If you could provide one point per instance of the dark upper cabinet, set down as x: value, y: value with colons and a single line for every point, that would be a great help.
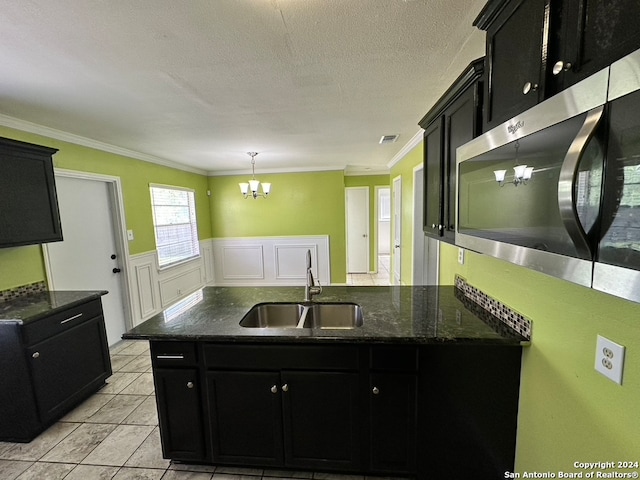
x: 587, y: 36
x: 517, y: 38
x: 454, y: 120
x: 537, y: 48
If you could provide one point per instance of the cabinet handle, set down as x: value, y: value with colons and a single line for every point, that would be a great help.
x: 560, y: 66
x: 529, y: 87
x: 274, y: 389
x: 189, y: 384
x: 170, y: 357
x: 285, y: 387
x: 35, y: 354
x: 375, y: 390
x: 70, y: 318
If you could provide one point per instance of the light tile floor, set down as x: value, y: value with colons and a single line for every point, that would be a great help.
x: 381, y: 278
x: 114, y: 435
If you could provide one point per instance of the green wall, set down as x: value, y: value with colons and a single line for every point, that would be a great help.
x: 371, y: 181
x: 404, y: 169
x: 299, y: 204
x: 568, y: 411
x: 23, y: 265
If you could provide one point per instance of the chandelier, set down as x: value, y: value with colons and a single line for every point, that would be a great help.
x: 251, y: 189
x: 521, y: 173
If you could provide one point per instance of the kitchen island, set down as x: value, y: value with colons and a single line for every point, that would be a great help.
x: 426, y: 387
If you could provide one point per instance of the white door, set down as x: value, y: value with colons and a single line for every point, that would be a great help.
x: 84, y: 260
x: 357, y: 200
x: 397, y: 228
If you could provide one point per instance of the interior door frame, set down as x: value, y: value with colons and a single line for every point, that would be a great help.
x: 114, y: 187
x: 368, y: 225
x: 396, y: 197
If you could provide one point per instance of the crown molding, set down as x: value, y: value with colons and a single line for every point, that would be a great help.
x: 25, y: 126
x: 410, y: 145
x: 247, y: 171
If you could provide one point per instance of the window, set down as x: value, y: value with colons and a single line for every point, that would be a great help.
x: 174, y: 222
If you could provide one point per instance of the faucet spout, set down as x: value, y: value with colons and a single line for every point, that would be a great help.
x: 310, y: 288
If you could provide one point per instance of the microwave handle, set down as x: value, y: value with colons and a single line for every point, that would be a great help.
x: 568, y: 174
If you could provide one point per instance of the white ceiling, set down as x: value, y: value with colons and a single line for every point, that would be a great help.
x: 309, y: 84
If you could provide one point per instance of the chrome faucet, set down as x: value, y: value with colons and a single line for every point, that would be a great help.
x: 310, y: 288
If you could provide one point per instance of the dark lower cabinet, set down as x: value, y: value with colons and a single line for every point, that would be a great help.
x: 321, y: 420
x: 180, y: 413
x: 388, y: 410
x: 245, y: 409
x: 393, y: 414
x: 48, y: 366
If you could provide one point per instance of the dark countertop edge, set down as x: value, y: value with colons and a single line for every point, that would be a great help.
x: 273, y: 339
x: 90, y: 295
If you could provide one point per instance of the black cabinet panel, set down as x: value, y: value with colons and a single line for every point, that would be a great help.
x: 321, y: 420
x: 71, y: 351
x: 48, y: 365
x: 246, y: 417
x: 180, y: 413
x: 454, y: 120
x: 516, y: 60
x: 393, y: 420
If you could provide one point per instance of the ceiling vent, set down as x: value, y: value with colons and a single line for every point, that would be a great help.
x: 388, y: 139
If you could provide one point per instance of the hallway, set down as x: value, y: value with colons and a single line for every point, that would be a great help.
x: 381, y: 278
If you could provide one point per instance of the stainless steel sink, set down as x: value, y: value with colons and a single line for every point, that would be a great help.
x: 333, y: 315
x: 273, y: 315
x: 298, y: 315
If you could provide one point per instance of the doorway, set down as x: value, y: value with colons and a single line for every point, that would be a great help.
x: 357, y: 205
x: 93, y: 254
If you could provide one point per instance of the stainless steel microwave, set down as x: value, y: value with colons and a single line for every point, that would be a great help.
x: 557, y: 188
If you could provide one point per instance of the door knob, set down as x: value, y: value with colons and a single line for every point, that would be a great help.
x: 116, y: 270
x: 113, y: 256
x: 397, y: 246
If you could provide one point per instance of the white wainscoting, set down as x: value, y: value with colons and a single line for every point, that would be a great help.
x: 254, y: 261
x: 155, y: 289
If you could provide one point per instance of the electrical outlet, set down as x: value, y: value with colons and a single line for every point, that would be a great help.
x: 609, y: 359
x: 129, y: 234
x: 461, y: 256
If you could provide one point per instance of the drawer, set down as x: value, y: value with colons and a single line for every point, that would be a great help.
x: 394, y: 358
x: 269, y: 357
x: 58, y: 322
x: 173, y: 354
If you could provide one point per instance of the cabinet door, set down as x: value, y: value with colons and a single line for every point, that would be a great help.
x: 460, y: 126
x: 516, y: 60
x: 393, y: 410
x: 321, y: 420
x: 180, y: 413
x: 69, y: 366
x: 433, y: 178
x: 595, y: 34
x: 246, y: 417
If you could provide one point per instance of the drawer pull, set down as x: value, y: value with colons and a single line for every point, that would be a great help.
x: 375, y: 390
x: 189, y: 384
x: 274, y: 389
x: 285, y: 387
x: 170, y: 357
x: 70, y: 318
x: 35, y: 354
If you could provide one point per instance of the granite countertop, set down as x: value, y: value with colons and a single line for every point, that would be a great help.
x: 35, y: 306
x: 391, y: 315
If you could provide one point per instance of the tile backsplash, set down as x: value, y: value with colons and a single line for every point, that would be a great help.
x: 22, y: 291
x: 499, y: 310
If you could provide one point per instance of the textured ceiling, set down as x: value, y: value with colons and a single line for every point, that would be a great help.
x: 309, y: 84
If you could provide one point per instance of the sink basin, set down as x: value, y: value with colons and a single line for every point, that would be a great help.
x: 333, y: 315
x: 273, y: 315
x: 298, y: 315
